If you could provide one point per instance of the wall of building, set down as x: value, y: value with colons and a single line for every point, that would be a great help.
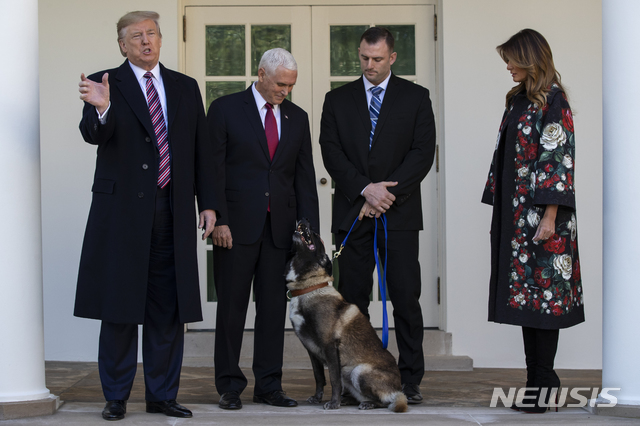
x: 79, y: 36
x: 475, y: 81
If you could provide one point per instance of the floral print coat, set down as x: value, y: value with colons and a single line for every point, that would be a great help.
x: 534, y: 284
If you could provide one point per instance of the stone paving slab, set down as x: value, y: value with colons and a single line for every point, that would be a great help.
x: 88, y: 414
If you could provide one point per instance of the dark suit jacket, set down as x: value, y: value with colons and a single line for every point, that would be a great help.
x: 403, y: 149
x: 112, y: 280
x: 248, y: 178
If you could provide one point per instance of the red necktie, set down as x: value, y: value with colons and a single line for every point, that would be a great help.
x: 271, y: 130
x: 157, y: 118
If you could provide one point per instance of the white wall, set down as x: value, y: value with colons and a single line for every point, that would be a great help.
x: 76, y: 36
x: 475, y: 84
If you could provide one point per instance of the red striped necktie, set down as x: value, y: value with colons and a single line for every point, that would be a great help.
x: 159, y: 127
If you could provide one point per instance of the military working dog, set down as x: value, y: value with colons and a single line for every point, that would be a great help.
x: 336, y: 333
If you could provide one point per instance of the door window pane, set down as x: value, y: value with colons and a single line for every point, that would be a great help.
x: 265, y: 37
x: 344, y: 42
x: 405, y: 45
x: 215, y: 89
x: 225, y: 50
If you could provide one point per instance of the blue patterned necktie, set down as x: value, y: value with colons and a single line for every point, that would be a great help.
x: 374, y: 110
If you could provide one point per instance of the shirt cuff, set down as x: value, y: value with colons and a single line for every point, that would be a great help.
x: 103, y: 117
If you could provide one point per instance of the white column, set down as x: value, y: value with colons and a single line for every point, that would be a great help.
x: 621, y: 251
x: 21, y: 318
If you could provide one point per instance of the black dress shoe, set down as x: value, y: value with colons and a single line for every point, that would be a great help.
x: 412, y: 392
x: 230, y: 401
x: 114, y: 410
x: 169, y: 408
x: 277, y: 398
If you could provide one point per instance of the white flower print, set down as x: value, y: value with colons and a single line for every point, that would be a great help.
x: 567, y: 161
x: 526, y: 130
x: 562, y: 264
x: 520, y: 223
x: 573, y: 226
x: 523, y: 171
x: 560, y: 186
x: 520, y: 298
x: 547, y: 296
x: 515, y: 202
x: 524, y: 257
x: 553, y: 136
x: 514, y: 244
x: 533, y: 218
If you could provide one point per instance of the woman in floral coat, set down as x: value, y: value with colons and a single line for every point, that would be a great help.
x: 535, y: 269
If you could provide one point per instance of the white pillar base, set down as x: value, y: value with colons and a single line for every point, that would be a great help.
x: 40, y: 407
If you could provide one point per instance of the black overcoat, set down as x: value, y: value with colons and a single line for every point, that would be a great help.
x: 534, y: 284
x: 112, y: 278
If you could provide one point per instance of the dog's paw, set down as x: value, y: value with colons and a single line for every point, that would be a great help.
x: 332, y: 405
x: 315, y: 399
x: 348, y: 400
x: 366, y: 405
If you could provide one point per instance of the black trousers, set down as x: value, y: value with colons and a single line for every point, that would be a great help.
x: 540, y: 347
x: 163, y: 334
x: 404, y: 283
x: 234, y: 270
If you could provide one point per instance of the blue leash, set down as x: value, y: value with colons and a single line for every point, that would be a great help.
x: 382, y: 276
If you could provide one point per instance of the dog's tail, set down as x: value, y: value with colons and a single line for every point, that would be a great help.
x: 397, y: 402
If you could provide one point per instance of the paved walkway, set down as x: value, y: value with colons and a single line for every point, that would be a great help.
x: 451, y: 398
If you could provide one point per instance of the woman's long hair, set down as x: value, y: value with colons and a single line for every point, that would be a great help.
x: 529, y: 50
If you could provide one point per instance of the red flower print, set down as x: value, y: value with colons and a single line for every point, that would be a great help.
x: 513, y: 303
x: 576, y: 270
x: 531, y: 151
x: 522, y: 189
x: 536, y: 303
x: 519, y: 268
x: 555, y: 244
x: 548, y: 168
x: 541, y: 282
x: 557, y: 310
x: 567, y: 119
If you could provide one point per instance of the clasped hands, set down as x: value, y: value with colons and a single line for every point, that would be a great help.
x: 378, y: 199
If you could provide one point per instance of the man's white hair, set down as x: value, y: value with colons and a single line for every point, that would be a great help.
x: 273, y: 58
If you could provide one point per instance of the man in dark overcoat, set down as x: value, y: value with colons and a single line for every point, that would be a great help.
x: 378, y: 141
x: 138, y: 262
x: 262, y: 151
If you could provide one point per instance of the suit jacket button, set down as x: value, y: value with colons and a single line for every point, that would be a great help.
x: 147, y: 139
x: 266, y: 194
x: 145, y: 167
x: 95, y: 127
x: 140, y: 194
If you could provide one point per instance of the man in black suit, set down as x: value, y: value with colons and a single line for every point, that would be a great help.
x: 138, y: 263
x: 378, y: 170
x: 262, y: 151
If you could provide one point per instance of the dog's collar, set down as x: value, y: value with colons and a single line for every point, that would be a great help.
x: 295, y: 293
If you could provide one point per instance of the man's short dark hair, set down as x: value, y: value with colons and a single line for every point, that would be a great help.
x: 374, y: 34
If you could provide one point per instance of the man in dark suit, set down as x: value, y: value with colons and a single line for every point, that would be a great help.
x: 138, y: 263
x: 378, y: 142
x: 262, y: 151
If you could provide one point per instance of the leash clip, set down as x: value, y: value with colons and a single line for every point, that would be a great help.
x: 338, y: 253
